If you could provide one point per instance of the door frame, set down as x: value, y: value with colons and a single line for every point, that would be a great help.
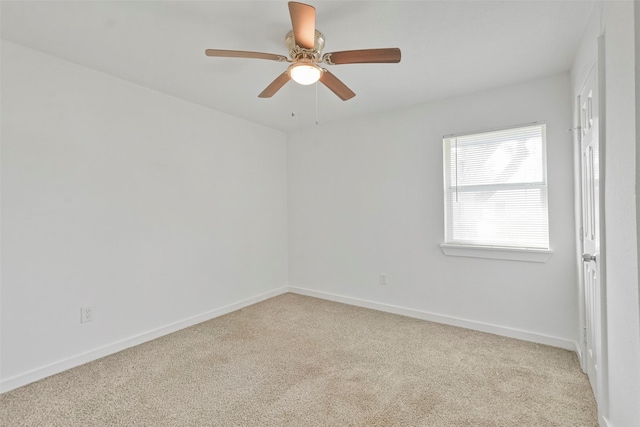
x: 602, y: 392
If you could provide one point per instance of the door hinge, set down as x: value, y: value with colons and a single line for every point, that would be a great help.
x: 582, y: 234
x: 584, y: 335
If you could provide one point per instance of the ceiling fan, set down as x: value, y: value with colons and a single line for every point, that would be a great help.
x: 305, y: 45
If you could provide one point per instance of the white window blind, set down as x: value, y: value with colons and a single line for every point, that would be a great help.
x: 495, y: 188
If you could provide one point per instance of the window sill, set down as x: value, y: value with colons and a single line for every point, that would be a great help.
x: 492, y: 252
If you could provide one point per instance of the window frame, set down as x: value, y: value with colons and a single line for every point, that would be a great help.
x: 473, y: 249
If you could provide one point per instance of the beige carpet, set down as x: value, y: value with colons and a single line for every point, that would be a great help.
x: 300, y: 361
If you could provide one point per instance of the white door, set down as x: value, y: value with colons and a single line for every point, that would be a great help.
x: 591, y: 259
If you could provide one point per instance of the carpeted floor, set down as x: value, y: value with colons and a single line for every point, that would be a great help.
x: 300, y: 361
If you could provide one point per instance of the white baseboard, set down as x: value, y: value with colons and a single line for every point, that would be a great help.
x: 448, y: 320
x: 580, y: 355
x: 80, y: 359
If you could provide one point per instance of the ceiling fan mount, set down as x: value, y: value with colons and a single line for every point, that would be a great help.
x: 296, y: 52
x: 305, y: 45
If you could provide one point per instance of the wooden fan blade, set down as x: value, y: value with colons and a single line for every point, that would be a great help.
x: 244, y: 54
x: 275, y: 85
x: 336, y: 86
x: 363, y: 56
x: 303, y: 20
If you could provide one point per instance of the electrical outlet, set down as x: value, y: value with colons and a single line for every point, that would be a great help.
x: 383, y: 279
x: 86, y: 314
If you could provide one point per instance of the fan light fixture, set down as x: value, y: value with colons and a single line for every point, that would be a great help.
x: 305, y: 73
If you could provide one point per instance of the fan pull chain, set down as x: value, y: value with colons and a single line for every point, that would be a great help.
x: 293, y: 87
x: 317, y: 104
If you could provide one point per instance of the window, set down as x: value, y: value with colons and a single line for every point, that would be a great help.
x: 495, y: 190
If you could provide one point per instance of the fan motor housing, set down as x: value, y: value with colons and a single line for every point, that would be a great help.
x: 296, y: 52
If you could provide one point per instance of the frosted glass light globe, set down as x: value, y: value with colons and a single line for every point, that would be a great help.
x: 305, y: 74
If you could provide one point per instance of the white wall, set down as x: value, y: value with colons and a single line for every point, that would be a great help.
x: 620, y: 204
x: 153, y: 209
x: 636, y: 21
x: 366, y: 197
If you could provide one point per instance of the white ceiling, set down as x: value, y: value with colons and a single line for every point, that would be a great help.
x: 448, y: 48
